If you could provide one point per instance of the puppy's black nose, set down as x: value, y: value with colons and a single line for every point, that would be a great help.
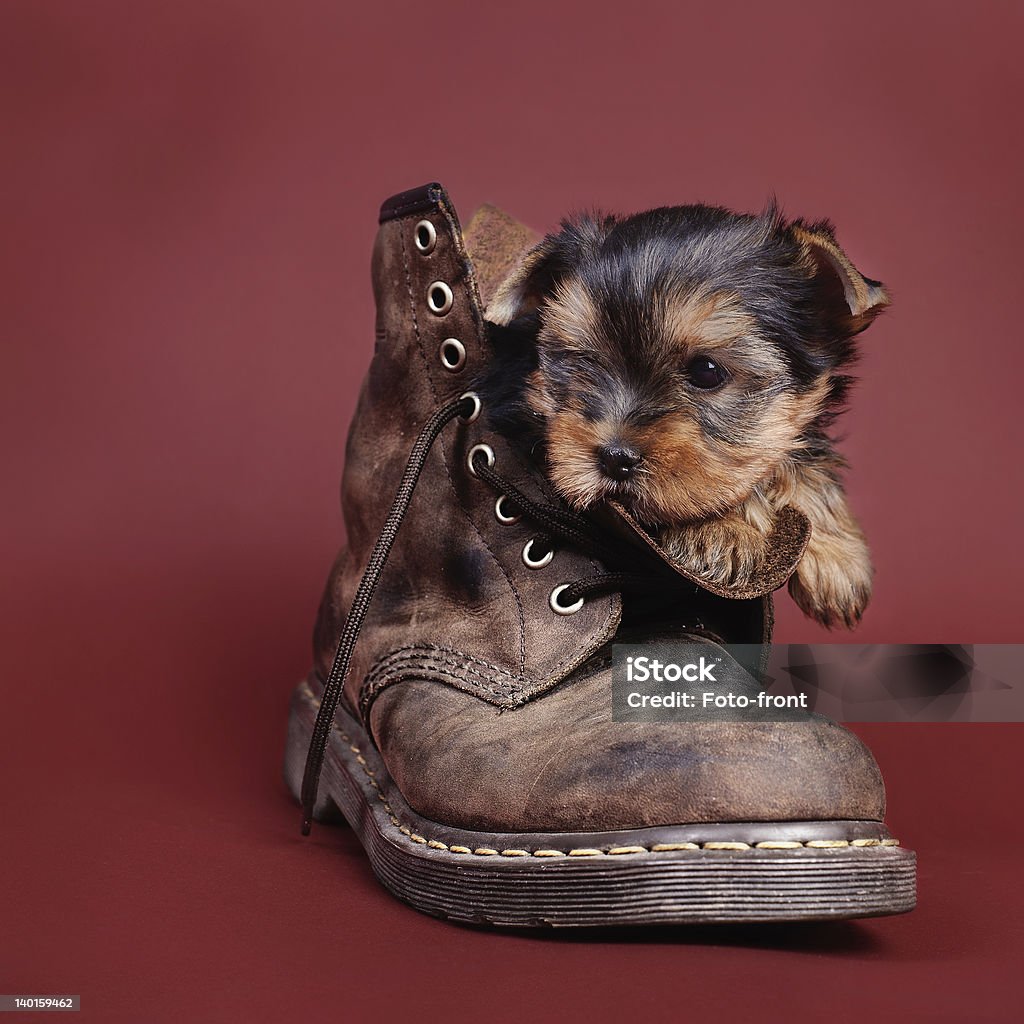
x: 618, y: 461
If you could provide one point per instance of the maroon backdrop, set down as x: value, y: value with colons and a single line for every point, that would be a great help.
x: 190, y: 193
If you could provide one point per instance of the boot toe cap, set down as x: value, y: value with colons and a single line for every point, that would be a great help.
x: 560, y: 763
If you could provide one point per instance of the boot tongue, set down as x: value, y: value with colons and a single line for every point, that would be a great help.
x: 785, y: 545
x: 496, y: 244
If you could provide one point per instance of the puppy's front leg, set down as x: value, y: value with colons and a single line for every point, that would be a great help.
x: 727, y: 550
x: 832, y: 583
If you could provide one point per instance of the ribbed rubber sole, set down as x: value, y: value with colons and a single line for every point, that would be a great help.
x: 686, y: 874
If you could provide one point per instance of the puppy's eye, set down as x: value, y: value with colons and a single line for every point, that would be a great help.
x: 705, y: 373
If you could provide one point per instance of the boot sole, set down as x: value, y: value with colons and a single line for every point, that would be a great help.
x: 685, y: 874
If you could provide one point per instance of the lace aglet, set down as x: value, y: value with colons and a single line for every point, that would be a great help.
x: 307, y: 822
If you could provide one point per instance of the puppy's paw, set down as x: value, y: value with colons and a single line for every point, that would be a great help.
x: 724, y: 552
x: 832, y: 583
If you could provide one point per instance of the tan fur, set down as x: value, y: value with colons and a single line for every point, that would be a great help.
x: 865, y: 299
x: 716, y: 499
x: 685, y: 475
x: 512, y: 297
x: 572, y: 441
x: 691, y: 316
x: 725, y: 551
x: 706, y: 321
x: 537, y: 397
x: 570, y: 313
x: 832, y: 583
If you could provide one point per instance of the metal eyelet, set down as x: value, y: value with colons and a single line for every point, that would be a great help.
x: 504, y: 517
x: 570, y: 609
x: 486, y: 450
x: 536, y: 563
x: 426, y: 237
x: 477, y: 406
x: 452, y: 354
x: 439, y: 298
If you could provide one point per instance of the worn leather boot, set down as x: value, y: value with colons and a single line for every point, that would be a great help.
x: 458, y: 714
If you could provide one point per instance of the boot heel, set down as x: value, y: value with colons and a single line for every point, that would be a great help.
x: 300, y: 728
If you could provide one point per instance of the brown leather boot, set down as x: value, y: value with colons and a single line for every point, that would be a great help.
x: 461, y: 719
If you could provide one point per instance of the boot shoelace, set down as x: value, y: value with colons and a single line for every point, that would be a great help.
x: 555, y: 521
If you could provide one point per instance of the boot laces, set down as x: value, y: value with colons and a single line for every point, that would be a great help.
x: 556, y: 523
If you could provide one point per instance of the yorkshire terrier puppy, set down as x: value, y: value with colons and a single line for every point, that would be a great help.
x: 687, y: 362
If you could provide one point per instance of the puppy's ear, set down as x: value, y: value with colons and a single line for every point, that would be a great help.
x: 526, y: 287
x: 849, y: 300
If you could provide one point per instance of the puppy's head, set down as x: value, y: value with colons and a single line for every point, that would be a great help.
x: 684, y: 353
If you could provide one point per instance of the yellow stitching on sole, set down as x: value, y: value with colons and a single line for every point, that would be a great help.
x: 866, y: 842
x: 827, y: 844
x: 627, y: 849
x: 666, y: 847
x: 778, y: 844
x: 485, y: 851
x: 584, y: 851
x: 435, y: 845
x: 459, y: 849
x: 890, y: 842
x: 727, y: 846
x: 548, y: 853
x: 515, y: 853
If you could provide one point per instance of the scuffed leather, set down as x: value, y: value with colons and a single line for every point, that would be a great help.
x: 496, y: 244
x: 559, y: 763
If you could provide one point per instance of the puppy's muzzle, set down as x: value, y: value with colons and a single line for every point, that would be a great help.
x: 619, y: 462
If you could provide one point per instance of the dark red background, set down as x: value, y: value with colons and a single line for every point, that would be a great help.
x: 190, y: 202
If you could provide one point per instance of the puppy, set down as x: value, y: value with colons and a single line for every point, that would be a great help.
x: 688, y: 362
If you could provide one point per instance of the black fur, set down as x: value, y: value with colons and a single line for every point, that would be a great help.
x: 503, y: 387
x: 681, y: 249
